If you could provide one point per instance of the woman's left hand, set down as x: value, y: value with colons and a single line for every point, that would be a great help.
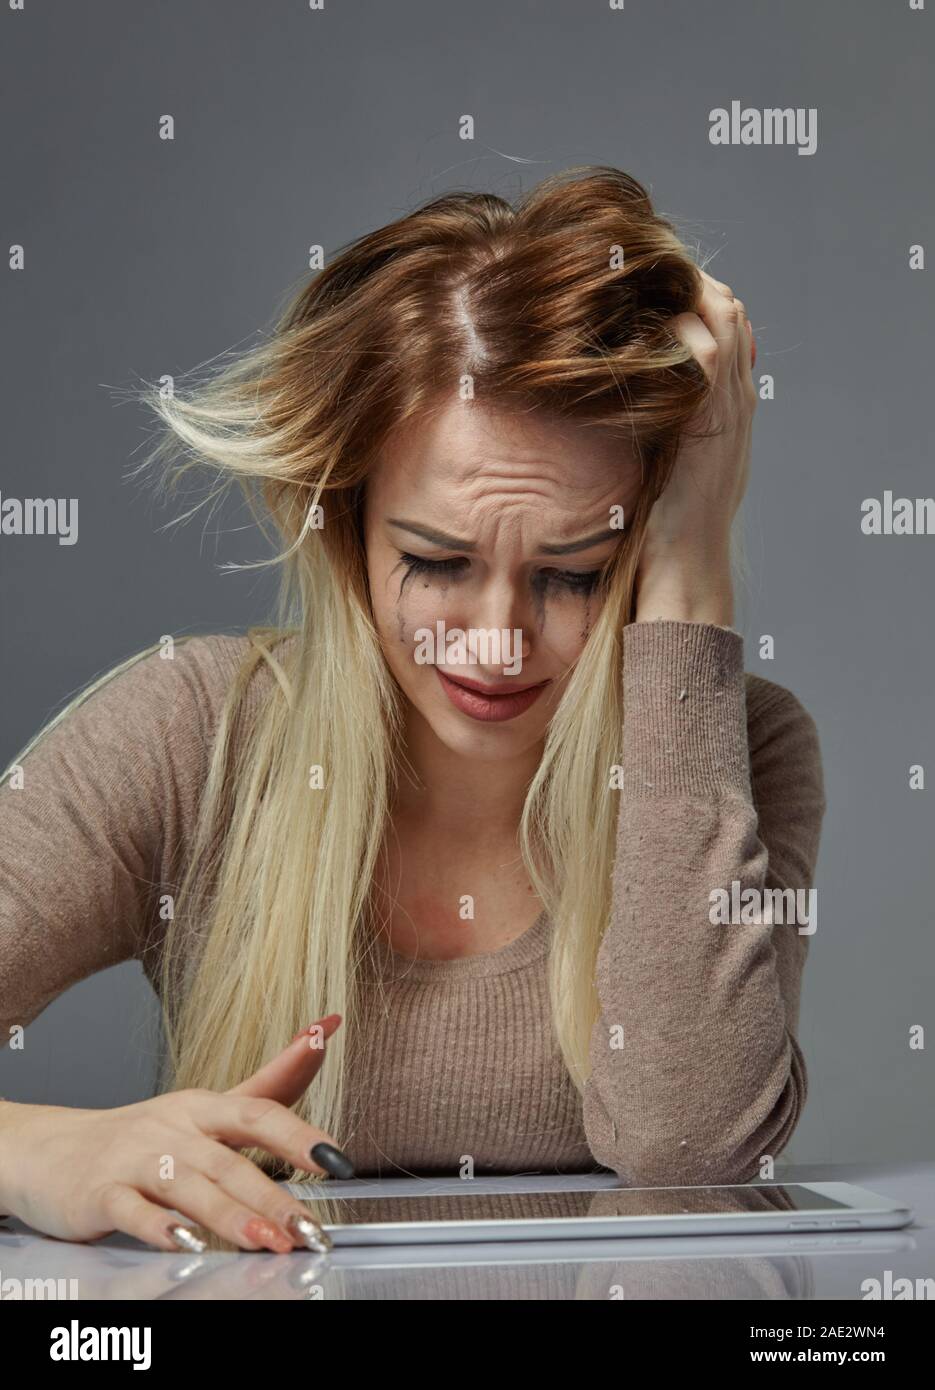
x: 684, y: 565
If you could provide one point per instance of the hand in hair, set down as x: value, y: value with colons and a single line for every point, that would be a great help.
x: 684, y: 566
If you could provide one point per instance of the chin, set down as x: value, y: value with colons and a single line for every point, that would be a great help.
x: 481, y: 741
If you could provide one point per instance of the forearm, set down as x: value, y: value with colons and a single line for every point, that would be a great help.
x: 696, y: 589
x: 12, y: 1116
x: 696, y: 1074
x: 7, y: 1121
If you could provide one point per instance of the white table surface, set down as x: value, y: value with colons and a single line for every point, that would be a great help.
x: 780, y: 1267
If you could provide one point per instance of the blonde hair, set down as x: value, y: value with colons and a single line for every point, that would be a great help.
x: 561, y: 303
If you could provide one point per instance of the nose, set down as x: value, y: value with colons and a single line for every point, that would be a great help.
x: 499, y: 610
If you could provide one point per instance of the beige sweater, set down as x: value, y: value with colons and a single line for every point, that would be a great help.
x: 722, y: 784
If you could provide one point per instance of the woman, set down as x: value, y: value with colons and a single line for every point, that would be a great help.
x: 485, y: 872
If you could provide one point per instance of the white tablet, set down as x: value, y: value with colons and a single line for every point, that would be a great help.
x: 451, y: 1217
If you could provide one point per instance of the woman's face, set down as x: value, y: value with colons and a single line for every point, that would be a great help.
x: 492, y: 526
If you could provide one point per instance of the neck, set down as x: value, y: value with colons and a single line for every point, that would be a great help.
x: 456, y: 794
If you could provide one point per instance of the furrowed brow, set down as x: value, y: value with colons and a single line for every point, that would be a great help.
x: 568, y: 547
x: 429, y: 533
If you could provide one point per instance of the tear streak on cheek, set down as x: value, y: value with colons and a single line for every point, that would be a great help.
x: 586, y: 630
x: 409, y: 623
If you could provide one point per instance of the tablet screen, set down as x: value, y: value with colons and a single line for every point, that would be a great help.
x: 542, y: 1206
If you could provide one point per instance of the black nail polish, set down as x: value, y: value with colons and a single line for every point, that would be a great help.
x: 333, y: 1160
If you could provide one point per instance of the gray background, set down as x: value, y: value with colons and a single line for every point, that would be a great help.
x: 296, y: 127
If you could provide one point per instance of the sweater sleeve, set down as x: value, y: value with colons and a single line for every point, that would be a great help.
x: 696, y: 1072
x: 89, y: 821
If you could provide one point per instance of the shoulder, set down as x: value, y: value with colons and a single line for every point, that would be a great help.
x: 177, y: 687
x: 180, y: 687
x: 156, y: 712
x: 769, y: 704
x: 783, y: 738
x: 97, y: 812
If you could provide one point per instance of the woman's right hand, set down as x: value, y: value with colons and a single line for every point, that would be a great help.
x: 80, y: 1174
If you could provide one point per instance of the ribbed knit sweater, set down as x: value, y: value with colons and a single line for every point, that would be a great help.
x: 696, y: 1071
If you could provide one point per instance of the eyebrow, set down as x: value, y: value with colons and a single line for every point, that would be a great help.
x: 428, y: 533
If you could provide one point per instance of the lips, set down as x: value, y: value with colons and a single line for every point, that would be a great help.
x: 483, y: 688
x: 489, y: 703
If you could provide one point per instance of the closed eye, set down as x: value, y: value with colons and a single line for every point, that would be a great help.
x: 417, y: 564
x: 575, y: 581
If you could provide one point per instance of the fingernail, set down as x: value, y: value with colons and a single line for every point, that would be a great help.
x: 332, y: 1160
x: 312, y: 1235
x: 265, y: 1233
x: 319, y: 1023
x: 186, y: 1239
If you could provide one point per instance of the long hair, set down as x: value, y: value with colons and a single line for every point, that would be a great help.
x: 560, y: 303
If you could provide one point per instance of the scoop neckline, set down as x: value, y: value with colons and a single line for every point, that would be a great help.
x: 529, y: 946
